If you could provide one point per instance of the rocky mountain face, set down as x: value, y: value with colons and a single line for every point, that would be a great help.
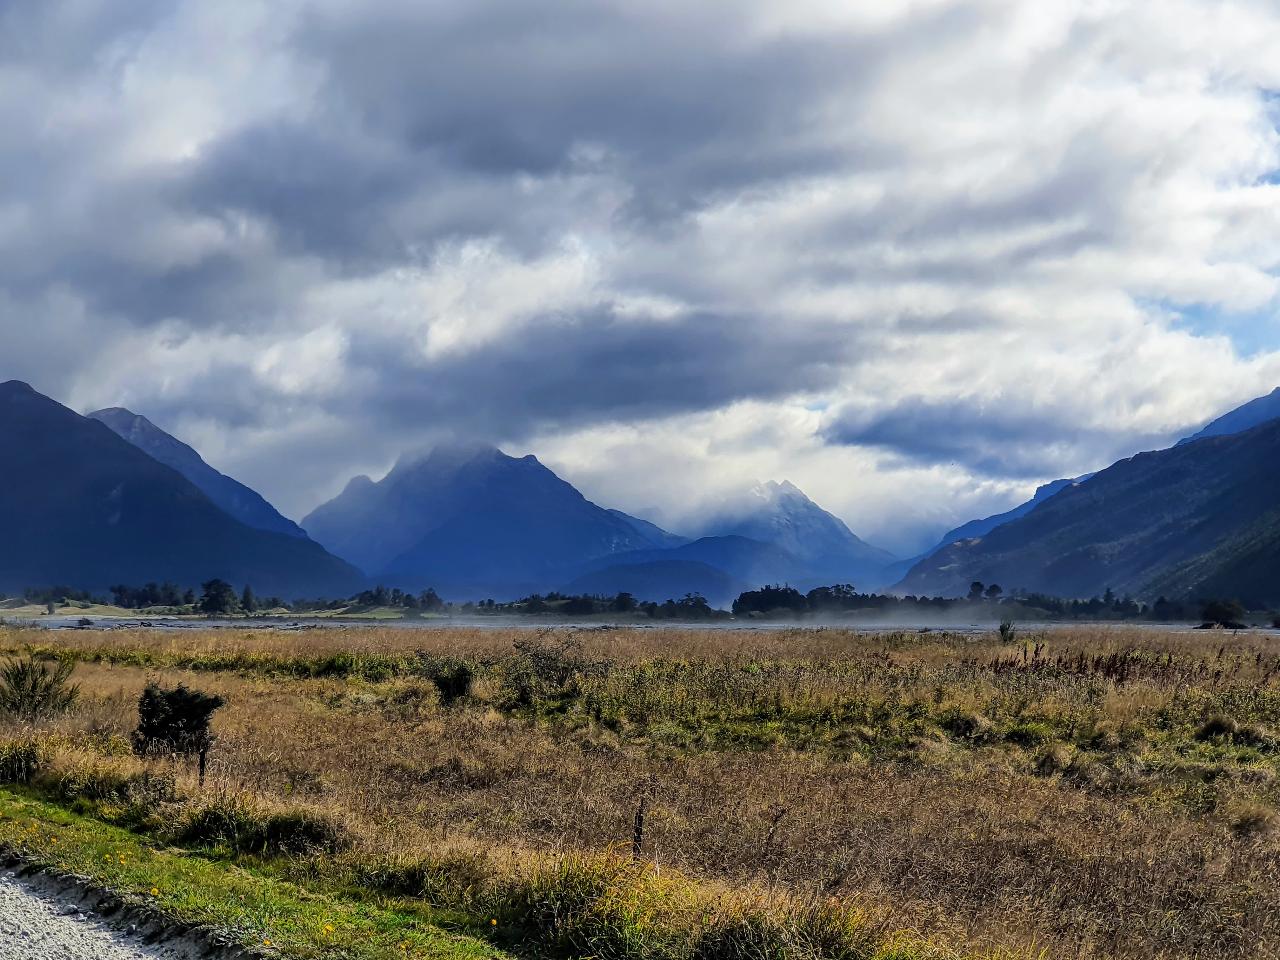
x: 241, y: 502
x: 83, y: 507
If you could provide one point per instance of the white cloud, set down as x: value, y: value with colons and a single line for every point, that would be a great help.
x: 671, y: 248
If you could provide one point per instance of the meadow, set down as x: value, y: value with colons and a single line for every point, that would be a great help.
x: 1092, y: 792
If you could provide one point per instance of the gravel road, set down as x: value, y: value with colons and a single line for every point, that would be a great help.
x: 38, y: 924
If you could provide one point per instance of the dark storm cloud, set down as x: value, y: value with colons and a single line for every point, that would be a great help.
x: 994, y: 438
x: 598, y: 367
x: 322, y: 229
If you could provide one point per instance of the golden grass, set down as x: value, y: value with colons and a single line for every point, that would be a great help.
x: 1063, y: 796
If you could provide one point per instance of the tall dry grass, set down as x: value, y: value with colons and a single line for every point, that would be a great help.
x: 1094, y: 793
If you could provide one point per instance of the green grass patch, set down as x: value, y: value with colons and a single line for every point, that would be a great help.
x: 260, y: 911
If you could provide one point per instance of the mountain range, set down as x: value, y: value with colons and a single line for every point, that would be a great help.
x: 112, y: 498
x: 246, y: 505
x: 471, y: 521
x: 1201, y: 518
x: 474, y: 522
x: 84, y: 507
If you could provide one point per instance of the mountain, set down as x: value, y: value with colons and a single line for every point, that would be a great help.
x: 1251, y: 414
x: 651, y: 531
x: 471, y: 522
x: 83, y: 507
x: 780, y: 514
x: 235, y: 498
x: 980, y: 528
x: 1196, y: 519
x: 659, y: 580
x: 742, y: 559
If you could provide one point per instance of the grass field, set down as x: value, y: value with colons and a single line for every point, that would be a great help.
x: 1086, y: 793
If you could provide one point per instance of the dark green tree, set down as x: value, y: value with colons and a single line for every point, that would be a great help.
x: 248, y: 602
x: 1224, y: 612
x: 218, y: 598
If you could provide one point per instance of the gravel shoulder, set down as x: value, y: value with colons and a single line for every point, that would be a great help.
x: 41, y: 919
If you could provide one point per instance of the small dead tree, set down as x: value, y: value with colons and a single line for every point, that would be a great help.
x: 175, y: 722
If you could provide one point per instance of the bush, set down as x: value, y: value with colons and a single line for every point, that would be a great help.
x: 174, y: 721
x: 452, y: 681
x: 1029, y: 733
x: 450, y: 880
x: 1008, y: 632
x: 606, y: 908
x: 968, y: 725
x: 232, y: 822
x: 20, y: 761
x: 811, y: 929
x: 1217, y: 727
x: 32, y: 690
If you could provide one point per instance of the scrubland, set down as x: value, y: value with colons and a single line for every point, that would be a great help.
x: 1081, y: 793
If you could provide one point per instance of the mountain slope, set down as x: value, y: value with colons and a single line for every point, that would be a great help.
x: 1245, y: 417
x: 241, y: 502
x: 651, y: 531
x: 83, y: 507
x: 745, y: 561
x: 780, y: 514
x: 471, y: 521
x: 1195, y: 518
x: 983, y: 526
x: 659, y: 580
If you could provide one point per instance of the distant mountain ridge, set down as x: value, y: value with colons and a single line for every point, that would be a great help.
x: 241, y: 502
x: 470, y: 520
x: 473, y: 522
x: 780, y: 514
x: 1196, y: 518
x: 983, y: 526
x: 1244, y: 417
x: 81, y: 506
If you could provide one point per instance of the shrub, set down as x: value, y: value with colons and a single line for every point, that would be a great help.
x: 610, y: 908
x: 449, y: 880
x: 968, y: 725
x: 1008, y: 632
x: 452, y: 680
x: 174, y: 721
x: 1217, y: 727
x: 20, y: 761
x: 231, y: 821
x: 810, y: 929
x: 545, y: 669
x: 32, y: 690
x: 1029, y: 733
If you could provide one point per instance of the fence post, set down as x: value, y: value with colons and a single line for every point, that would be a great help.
x: 637, y: 836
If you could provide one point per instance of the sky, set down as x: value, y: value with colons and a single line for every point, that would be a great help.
x: 915, y: 256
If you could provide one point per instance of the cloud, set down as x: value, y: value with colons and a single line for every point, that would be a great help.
x: 915, y: 257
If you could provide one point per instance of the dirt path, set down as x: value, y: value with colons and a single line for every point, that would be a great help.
x: 38, y: 924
